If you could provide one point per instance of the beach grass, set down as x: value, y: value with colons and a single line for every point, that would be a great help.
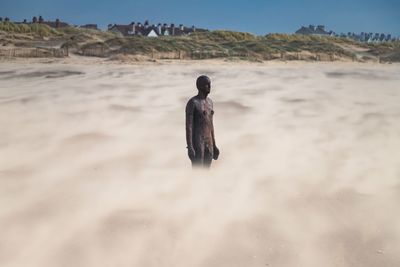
x: 203, y: 45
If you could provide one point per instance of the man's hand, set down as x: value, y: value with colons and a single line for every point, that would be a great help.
x: 191, y: 153
x: 216, y: 153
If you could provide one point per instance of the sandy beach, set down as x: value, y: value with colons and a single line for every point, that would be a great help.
x: 94, y: 170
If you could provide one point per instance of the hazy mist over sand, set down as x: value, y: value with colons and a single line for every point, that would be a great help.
x: 94, y: 171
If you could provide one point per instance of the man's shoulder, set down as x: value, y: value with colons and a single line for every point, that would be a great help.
x: 192, y: 100
x: 191, y: 104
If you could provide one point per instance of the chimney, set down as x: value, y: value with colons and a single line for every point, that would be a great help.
x: 321, y: 27
x: 146, y: 24
x: 139, y: 29
x: 172, y: 29
x: 133, y: 28
x: 181, y: 27
x: 159, y: 28
x: 193, y: 28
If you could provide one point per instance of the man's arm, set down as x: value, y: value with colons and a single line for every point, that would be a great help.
x: 189, y: 128
x: 216, y: 150
x: 212, y: 132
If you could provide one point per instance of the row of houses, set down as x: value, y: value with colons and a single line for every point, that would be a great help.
x: 53, y: 24
x: 361, y: 37
x: 131, y: 29
x: 153, y: 30
x: 369, y: 37
x: 312, y: 30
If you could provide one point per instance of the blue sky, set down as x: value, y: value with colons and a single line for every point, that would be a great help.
x: 257, y: 16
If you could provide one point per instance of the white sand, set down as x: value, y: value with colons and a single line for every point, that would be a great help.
x: 94, y: 172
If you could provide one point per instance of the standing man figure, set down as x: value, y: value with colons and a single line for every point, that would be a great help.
x: 200, y: 137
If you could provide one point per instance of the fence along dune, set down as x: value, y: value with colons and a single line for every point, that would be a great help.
x: 34, y: 52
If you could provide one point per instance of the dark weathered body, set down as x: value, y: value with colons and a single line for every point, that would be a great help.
x: 199, y: 117
x: 200, y: 128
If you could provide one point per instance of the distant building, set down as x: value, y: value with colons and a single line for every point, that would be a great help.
x: 123, y: 29
x: 312, y: 30
x: 150, y: 32
x: 53, y: 24
x: 89, y: 26
x: 362, y: 37
x: 320, y: 30
x: 153, y: 30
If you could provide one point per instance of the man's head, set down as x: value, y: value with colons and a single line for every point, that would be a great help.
x: 203, y: 84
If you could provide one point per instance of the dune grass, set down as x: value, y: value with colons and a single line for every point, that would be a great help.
x: 227, y: 44
x: 209, y: 44
x: 33, y: 28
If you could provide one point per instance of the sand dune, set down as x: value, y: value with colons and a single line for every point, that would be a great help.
x: 94, y: 172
